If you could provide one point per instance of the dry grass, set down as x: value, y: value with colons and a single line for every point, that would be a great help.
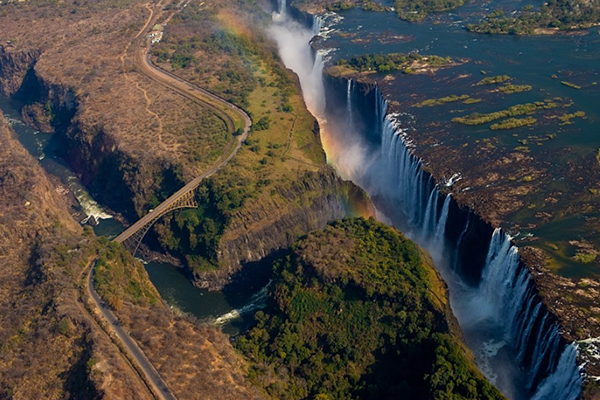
x: 45, y: 339
x: 86, y: 47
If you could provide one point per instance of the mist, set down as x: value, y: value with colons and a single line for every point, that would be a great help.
x: 395, y: 181
x: 294, y: 44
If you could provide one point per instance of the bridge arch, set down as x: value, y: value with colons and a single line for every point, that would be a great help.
x: 132, y: 237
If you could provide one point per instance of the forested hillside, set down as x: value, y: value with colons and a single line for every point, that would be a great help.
x: 357, y: 312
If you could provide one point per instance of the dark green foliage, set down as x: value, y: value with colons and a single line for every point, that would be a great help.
x: 262, y: 124
x: 118, y: 277
x: 416, y: 10
x: 167, y: 181
x: 352, y: 316
x: 181, y: 60
x: 194, y: 234
x: 554, y: 14
x: 392, y: 61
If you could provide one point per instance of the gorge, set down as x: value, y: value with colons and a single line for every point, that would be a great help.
x: 413, y: 212
x: 516, y: 341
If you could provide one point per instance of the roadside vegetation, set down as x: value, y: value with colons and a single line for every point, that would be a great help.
x: 118, y: 277
x: 227, y: 53
x: 356, y: 312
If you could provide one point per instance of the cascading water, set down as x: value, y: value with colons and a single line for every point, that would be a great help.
x: 281, y: 6
x: 504, y: 321
x: 289, y: 35
x: 516, y: 341
x: 440, y: 230
x: 349, y: 101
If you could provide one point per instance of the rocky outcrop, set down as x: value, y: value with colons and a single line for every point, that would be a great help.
x: 14, y: 66
x: 116, y: 179
x: 276, y: 220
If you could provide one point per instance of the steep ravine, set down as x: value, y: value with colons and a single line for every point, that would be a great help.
x: 124, y: 184
x: 275, y: 221
x: 518, y: 342
x: 116, y: 180
x: 515, y: 338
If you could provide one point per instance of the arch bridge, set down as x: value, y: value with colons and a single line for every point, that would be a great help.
x: 132, y: 237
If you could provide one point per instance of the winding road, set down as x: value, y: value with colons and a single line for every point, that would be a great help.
x: 152, y: 377
x: 222, y: 108
x: 198, y: 95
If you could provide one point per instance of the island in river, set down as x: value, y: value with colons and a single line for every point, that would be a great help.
x: 508, y: 128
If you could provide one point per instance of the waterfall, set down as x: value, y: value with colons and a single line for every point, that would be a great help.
x: 292, y: 41
x: 430, y: 215
x: 281, y: 6
x: 506, y: 285
x: 440, y: 230
x: 505, y: 323
x: 565, y: 382
x: 317, y: 25
x: 505, y: 301
x: 349, y: 102
x: 456, y: 258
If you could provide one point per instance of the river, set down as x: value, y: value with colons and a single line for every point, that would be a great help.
x: 229, y: 309
x: 515, y: 341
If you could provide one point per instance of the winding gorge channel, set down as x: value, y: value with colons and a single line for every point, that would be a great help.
x: 516, y: 341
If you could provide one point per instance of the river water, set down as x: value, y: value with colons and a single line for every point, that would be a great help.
x: 45, y: 149
x: 515, y: 342
x: 229, y: 309
x: 544, y: 62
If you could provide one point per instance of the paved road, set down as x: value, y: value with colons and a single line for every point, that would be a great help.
x: 83, y: 276
x: 197, y: 94
x: 153, y: 378
x: 220, y: 106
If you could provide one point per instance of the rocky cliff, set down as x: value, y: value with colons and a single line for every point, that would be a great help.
x: 275, y: 221
x: 14, y: 66
x: 49, y: 345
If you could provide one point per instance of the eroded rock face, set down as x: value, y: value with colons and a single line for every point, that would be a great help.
x: 117, y: 178
x: 276, y: 220
x: 13, y: 69
x: 568, y: 299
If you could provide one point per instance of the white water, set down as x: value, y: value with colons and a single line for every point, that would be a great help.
x: 516, y: 342
x: 35, y: 142
x: 256, y: 302
x: 89, y: 206
x: 349, y: 102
